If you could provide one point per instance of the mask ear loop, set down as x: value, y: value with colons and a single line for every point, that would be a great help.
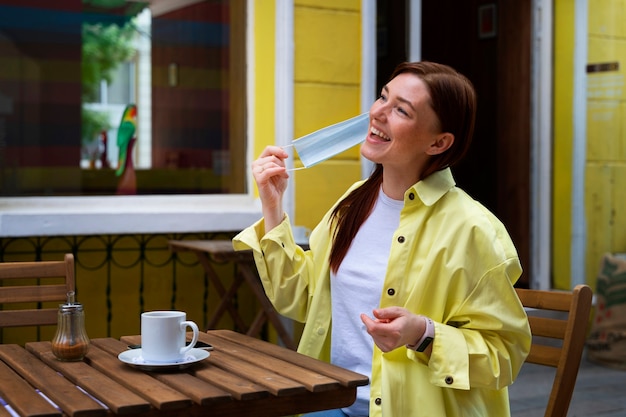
x: 292, y: 169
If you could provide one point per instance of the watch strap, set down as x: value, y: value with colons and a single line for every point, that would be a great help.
x: 427, y: 337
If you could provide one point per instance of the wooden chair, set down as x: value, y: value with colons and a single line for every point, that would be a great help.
x: 33, y: 282
x: 569, y: 332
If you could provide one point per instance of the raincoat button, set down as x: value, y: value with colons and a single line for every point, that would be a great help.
x: 449, y: 380
x: 391, y: 291
x: 378, y: 401
x: 401, y: 239
x: 411, y: 196
x: 321, y: 331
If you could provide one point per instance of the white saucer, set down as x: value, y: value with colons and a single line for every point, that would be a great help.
x: 133, y: 357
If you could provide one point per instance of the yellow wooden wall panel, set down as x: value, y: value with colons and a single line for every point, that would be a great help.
x: 325, y: 183
x: 264, y: 70
x: 607, y: 17
x: 606, y: 140
x: 320, y: 105
x: 618, y: 224
x: 327, y: 46
x: 605, y: 131
x: 563, y: 140
x: 330, y: 4
x: 608, y: 83
x: 599, y: 207
x: 327, y: 90
x: 91, y: 288
x: 125, y: 309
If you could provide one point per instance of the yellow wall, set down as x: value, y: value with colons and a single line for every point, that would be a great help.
x: 605, y: 167
x: 327, y: 81
x: 264, y: 58
x: 605, y: 170
x: 327, y: 90
x: 563, y: 140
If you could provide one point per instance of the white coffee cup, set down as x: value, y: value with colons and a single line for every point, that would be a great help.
x: 163, y: 336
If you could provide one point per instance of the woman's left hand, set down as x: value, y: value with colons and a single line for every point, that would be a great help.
x: 393, y: 327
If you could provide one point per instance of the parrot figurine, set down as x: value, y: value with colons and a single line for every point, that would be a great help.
x: 125, y: 141
x: 126, y: 131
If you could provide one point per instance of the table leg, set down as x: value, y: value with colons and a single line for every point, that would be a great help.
x: 225, y: 296
x: 266, y: 306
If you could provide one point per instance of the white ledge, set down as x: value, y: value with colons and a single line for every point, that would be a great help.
x: 67, y: 216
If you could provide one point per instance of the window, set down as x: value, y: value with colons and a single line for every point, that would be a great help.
x: 185, y: 73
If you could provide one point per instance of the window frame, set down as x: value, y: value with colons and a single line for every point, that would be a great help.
x: 96, y: 215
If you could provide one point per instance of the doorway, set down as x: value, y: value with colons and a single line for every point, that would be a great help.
x: 496, y: 170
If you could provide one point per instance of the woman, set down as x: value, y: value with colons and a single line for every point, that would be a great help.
x: 408, y: 280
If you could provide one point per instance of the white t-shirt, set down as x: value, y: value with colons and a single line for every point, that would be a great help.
x: 356, y: 289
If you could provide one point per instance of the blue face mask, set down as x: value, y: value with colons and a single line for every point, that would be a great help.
x: 331, y: 140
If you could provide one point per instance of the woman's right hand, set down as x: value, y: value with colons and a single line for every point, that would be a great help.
x: 271, y: 177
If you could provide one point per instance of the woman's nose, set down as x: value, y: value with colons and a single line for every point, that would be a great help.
x: 377, y: 111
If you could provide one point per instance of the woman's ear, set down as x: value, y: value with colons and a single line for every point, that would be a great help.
x: 441, y: 144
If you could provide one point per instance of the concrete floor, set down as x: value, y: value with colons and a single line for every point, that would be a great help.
x: 600, y: 391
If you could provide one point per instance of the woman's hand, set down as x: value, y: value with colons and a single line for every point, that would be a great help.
x: 271, y: 177
x: 393, y: 327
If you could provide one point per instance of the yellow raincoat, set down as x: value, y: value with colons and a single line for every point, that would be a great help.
x: 451, y: 260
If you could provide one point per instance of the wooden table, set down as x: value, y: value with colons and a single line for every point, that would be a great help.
x: 243, y: 376
x: 221, y: 251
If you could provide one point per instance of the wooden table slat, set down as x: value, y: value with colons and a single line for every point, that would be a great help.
x: 119, y: 399
x: 161, y: 396
x: 269, y: 380
x: 275, y: 383
x: 283, y: 406
x: 22, y: 397
x: 313, y: 381
x: 240, y: 388
x: 343, y: 376
x: 43, y: 377
x: 201, y: 392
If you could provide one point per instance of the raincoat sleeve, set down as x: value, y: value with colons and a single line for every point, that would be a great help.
x: 485, y: 342
x: 284, y: 267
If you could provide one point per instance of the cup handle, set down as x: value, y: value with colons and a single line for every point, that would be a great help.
x: 194, y: 328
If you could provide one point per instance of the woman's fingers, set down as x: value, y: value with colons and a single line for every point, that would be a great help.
x: 271, y: 162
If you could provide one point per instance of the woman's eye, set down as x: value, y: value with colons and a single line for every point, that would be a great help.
x: 401, y: 110
x: 382, y: 97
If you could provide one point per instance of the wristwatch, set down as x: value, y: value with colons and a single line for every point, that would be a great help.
x: 427, y: 337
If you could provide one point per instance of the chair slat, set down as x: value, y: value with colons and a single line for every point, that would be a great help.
x: 29, y: 283
x: 27, y: 294
x: 545, y: 300
x: 43, y: 317
x: 544, y: 355
x: 44, y: 269
x: 547, y: 327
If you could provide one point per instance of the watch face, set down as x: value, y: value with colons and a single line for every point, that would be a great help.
x: 424, y: 344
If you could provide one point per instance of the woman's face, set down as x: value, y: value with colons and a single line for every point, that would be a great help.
x: 404, y: 129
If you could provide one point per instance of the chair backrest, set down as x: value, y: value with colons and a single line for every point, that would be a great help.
x: 24, y: 283
x: 558, y: 338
